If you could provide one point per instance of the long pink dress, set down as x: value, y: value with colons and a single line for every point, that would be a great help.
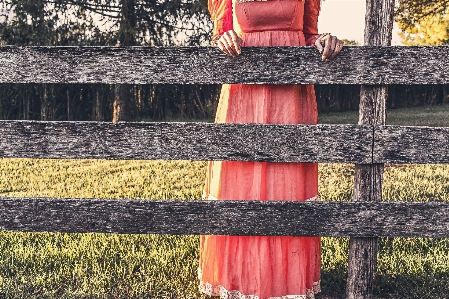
x: 250, y: 267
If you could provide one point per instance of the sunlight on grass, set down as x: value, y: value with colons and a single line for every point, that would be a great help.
x: 112, y: 266
x: 102, y: 178
x: 59, y: 265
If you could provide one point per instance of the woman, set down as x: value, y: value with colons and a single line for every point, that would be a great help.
x: 264, y: 267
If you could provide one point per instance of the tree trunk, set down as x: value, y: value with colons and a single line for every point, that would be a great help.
x: 445, y: 94
x: 44, y: 103
x: 127, y: 37
x: 122, y: 103
x: 67, y: 93
x: 368, y: 178
x: 98, y: 109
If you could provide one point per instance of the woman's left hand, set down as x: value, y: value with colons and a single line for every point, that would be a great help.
x: 329, y: 46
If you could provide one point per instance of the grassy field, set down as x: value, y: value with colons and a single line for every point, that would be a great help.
x: 57, y: 265
x: 432, y: 116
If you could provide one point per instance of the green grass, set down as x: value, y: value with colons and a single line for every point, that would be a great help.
x: 58, y: 265
x: 407, y: 267
x: 432, y: 116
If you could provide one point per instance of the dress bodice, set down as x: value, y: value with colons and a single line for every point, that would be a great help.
x: 285, y: 15
x: 272, y: 17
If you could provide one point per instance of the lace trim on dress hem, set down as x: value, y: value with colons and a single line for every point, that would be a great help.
x: 218, y: 290
x: 211, y: 197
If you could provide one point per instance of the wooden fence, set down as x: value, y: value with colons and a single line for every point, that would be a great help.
x: 369, y: 145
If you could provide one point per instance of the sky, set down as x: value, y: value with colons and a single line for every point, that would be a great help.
x: 346, y: 20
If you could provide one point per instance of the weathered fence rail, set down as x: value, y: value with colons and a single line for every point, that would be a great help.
x: 418, y: 145
x: 186, y: 141
x: 266, y: 218
x: 361, y: 144
x: 189, y: 65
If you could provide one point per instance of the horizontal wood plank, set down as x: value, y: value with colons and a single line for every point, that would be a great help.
x: 191, y: 65
x: 186, y: 141
x: 415, y: 145
x: 271, y: 218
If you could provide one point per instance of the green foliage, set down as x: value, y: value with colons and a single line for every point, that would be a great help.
x: 423, y: 22
x: 410, y: 12
x: 430, y: 30
x: 348, y: 42
x: 338, y: 98
x: 37, y: 23
x: 105, y: 22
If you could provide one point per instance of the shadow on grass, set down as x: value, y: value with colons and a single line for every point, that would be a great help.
x: 424, y: 285
x: 386, y: 286
x: 332, y: 284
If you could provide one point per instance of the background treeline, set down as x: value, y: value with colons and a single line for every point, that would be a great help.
x: 174, y: 102
x: 165, y: 23
x: 95, y: 101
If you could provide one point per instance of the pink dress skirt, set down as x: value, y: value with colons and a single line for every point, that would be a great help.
x: 257, y: 266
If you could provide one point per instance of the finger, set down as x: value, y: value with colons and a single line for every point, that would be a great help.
x: 240, y: 41
x: 327, y: 46
x: 338, y: 48
x: 227, y: 46
x: 222, y: 47
x: 333, y: 42
x: 230, y: 43
x: 224, y: 43
x: 235, y: 41
x: 319, y: 45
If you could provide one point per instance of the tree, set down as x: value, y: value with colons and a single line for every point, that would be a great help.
x: 106, y: 22
x: 423, y: 22
x: 410, y: 12
x: 143, y: 23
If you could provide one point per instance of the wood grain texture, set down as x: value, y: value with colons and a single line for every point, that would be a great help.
x: 395, y: 144
x: 190, y: 65
x: 272, y: 218
x: 186, y: 141
x: 373, y: 108
x: 362, y: 261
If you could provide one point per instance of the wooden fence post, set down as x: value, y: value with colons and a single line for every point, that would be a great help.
x: 368, y: 178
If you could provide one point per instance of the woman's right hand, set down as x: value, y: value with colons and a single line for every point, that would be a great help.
x: 229, y: 43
